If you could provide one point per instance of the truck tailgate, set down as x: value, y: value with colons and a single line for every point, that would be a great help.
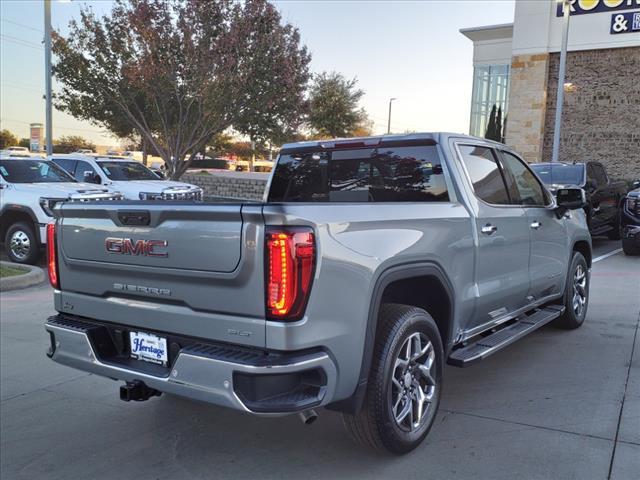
x: 190, y: 269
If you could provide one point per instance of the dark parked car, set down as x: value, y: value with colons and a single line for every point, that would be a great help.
x: 604, y: 196
x: 631, y: 222
x: 208, y: 163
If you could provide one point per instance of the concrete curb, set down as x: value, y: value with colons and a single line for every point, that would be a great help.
x: 34, y: 276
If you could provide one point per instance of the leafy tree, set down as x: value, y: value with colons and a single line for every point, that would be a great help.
x: 504, y: 130
x: 71, y: 143
x: 498, y: 132
x: 153, y: 65
x: 219, y: 145
x: 172, y: 71
x: 333, y: 105
x: 76, y: 98
x: 365, y: 128
x: 131, y: 145
x: 245, y: 150
x: 7, y: 139
x: 496, y: 129
x: 490, y: 133
x: 275, y: 69
x: 25, y: 142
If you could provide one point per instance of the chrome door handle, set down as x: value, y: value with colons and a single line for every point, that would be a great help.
x: 489, y: 229
x: 536, y: 225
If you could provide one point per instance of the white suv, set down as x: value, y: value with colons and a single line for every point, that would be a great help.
x: 130, y: 177
x: 18, y: 152
x: 29, y: 190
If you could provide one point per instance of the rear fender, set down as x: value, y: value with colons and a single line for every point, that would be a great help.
x: 354, y: 403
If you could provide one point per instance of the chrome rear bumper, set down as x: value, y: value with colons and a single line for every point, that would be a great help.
x: 203, y: 376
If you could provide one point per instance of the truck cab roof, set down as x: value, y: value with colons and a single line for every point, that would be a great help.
x: 373, y: 140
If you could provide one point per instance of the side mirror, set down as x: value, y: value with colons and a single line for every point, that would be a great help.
x: 571, y: 198
x: 636, y: 184
x: 90, y: 177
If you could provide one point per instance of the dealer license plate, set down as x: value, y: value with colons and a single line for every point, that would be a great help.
x: 148, y: 347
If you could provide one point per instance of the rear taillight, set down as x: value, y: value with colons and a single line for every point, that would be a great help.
x: 290, y: 263
x: 52, y: 256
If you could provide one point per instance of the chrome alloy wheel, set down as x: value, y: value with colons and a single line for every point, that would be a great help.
x: 579, y: 290
x: 20, y: 245
x: 413, y: 384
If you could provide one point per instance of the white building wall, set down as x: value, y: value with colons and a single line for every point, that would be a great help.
x: 531, y: 26
x: 492, y: 52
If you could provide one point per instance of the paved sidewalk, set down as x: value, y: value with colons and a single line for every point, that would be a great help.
x: 555, y: 405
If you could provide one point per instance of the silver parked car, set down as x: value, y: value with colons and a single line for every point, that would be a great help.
x: 370, y: 264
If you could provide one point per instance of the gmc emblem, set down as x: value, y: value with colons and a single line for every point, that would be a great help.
x: 126, y: 246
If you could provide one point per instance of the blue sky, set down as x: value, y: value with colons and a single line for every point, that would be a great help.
x: 411, y: 50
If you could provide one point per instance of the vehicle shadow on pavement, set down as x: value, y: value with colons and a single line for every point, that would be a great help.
x: 547, y: 407
x: 292, y: 446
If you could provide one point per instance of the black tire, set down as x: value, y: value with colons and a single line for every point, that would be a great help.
x: 21, y: 243
x: 375, y: 425
x: 616, y: 232
x: 573, y: 316
x: 630, y: 246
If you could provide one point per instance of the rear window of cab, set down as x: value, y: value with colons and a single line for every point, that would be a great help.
x: 378, y: 174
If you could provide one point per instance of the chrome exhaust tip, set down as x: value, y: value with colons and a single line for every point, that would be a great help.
x: 308, y: 416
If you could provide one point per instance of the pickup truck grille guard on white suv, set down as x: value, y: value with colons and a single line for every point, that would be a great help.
x: 94, y: 196
x: 250, y: 380
x: 48, y: 204
x: 174, y: 193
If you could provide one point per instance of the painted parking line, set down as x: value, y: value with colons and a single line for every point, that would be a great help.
x: 607, y: 255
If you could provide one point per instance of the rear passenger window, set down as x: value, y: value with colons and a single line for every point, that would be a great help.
x: 599, y: 174
x: 81, y: 168
x: 67, y: 164
x: 529, y: 191
x: 485, y: 174
x: 382, y: 174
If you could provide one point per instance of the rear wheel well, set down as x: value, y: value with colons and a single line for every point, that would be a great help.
x: 583, y: 247
x: 10, y: 217
x: 426, y: 292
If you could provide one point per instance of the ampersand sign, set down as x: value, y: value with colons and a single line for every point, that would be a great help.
x: 619, y: 24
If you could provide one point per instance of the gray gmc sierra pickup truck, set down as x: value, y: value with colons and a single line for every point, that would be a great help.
x: 370, y: 263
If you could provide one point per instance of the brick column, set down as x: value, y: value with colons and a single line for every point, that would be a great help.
x: 527, y: 105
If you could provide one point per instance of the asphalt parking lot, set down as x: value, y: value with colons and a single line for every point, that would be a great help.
x: 556, y: 404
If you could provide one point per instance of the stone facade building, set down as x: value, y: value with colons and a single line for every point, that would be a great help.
x: 602, y: 121
x: 516, y: 68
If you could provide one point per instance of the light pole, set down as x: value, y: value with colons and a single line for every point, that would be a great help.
x: 389, y: 120
x: 566, y: 10
x: 47, y: 73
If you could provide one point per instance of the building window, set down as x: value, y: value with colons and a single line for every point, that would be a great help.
x: 490, y: 87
